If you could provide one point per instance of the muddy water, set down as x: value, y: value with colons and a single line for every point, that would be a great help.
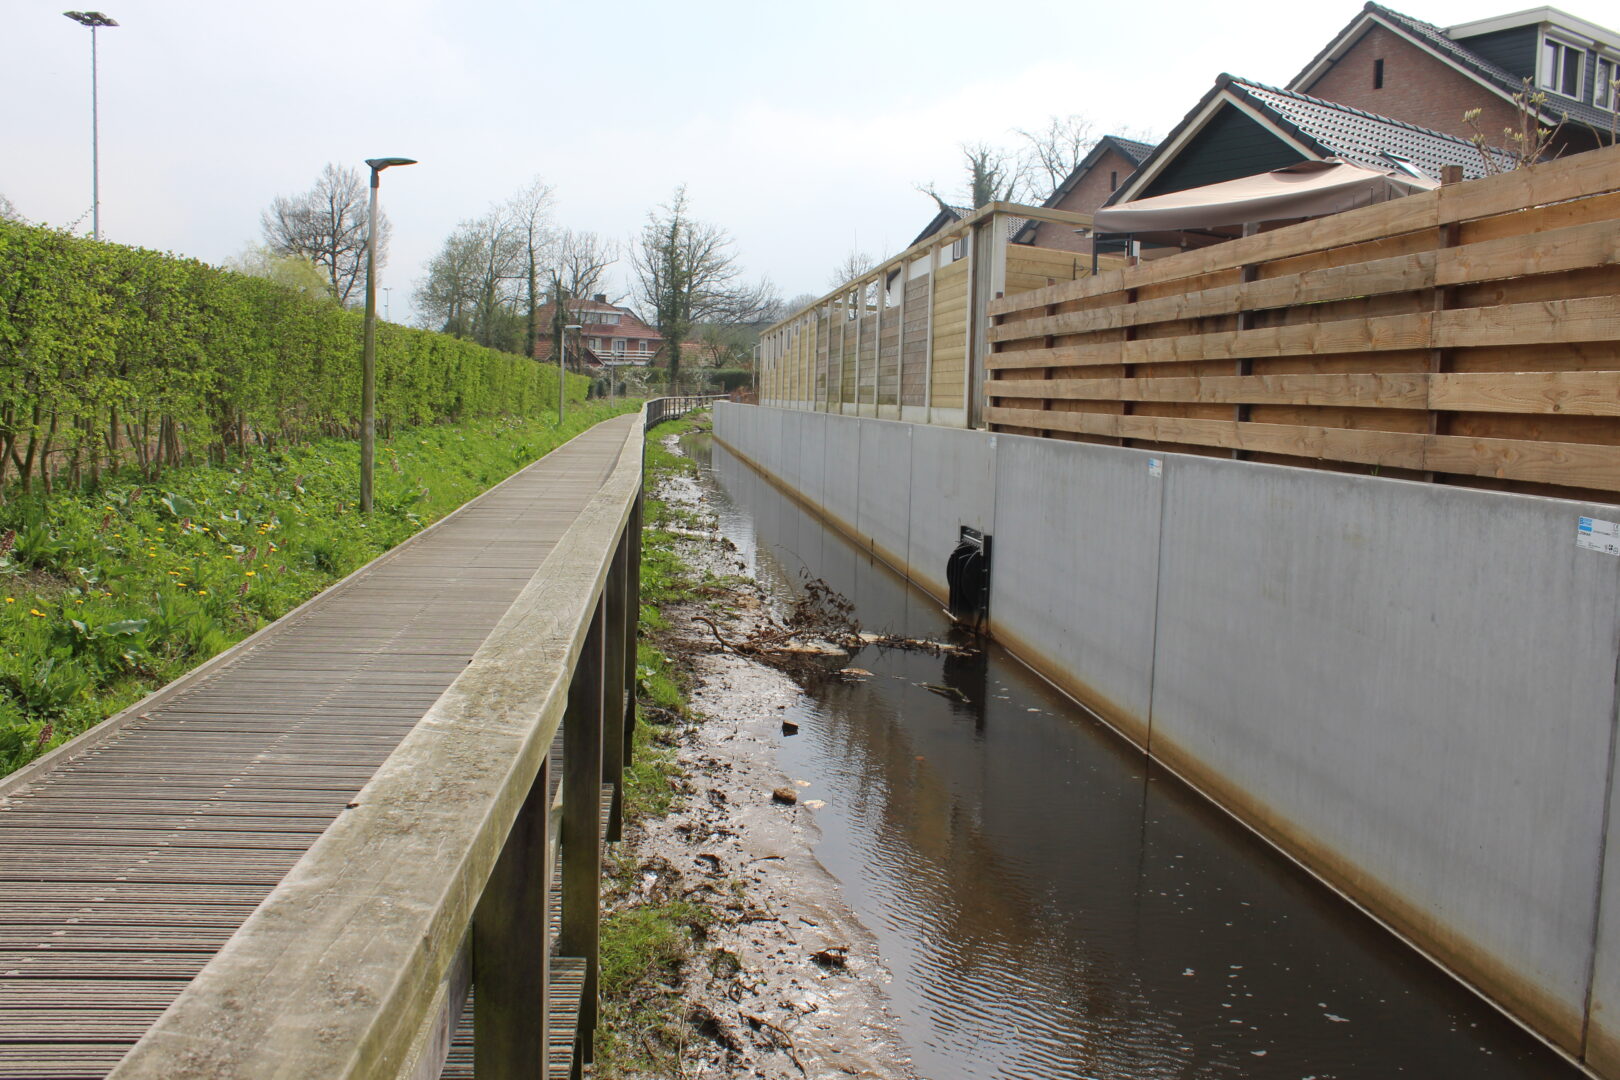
x: 1051, y: 905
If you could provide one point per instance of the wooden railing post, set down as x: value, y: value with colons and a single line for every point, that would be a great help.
x: 633, y: 619
x: 613, y: 718
x: 581, y: 823
x: 511, y: 956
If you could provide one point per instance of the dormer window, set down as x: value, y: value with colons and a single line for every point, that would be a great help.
x: 1561, y: 67
x: 1603, y: 92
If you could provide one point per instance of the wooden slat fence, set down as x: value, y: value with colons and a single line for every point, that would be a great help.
x: 1469, y: 335
x: 906, y: 339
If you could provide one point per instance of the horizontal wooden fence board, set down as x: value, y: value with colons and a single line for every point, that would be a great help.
x: 1491, y: 306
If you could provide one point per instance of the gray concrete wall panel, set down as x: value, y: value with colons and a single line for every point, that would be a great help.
x: 953, y: 472
x: 1075, y: 567
x: 883, y: 503
x: 1414, y: 686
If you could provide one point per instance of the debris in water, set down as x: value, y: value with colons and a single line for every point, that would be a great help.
x: 785, y: 795
x: 789, y: 728
x: 833, y: 956
x: 945, y: 691
x: 855, y: 671
x: 814, y: 804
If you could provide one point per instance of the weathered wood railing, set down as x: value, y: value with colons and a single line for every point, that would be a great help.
x: 669, y: 408
x: 1471, y: 332
x: 439, y: 878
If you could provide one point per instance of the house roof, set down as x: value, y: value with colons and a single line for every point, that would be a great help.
x: 1316, y: 129
x: 1135, y: 152
x: 1438, y: 42
x: 946, y: 216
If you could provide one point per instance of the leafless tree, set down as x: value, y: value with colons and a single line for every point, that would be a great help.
x: 448, y: 296
x: 1055, y: 151
x: 686, y: 273
x: 530, y: 214
x: 582, y: 258
x: 327, y: 226
x: 854, y: 265
x: 8, y: 212
x: 475, y: 285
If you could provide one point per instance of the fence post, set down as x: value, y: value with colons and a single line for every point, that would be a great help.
x: 581, y: 824
x: 511, y: 956
x: 613, y: 720
x: 632, y: 631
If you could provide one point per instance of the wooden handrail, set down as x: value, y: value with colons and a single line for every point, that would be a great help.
x: 340, y: 970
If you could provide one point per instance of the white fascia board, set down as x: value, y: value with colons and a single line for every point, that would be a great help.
x: 1550, y: 17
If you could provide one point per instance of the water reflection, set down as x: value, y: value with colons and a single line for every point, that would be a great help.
x: 1053, y: 906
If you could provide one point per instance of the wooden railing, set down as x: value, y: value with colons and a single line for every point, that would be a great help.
x: 906, y: 340
x: 1467, y: 334
x: 440, y: 876
x: 669, y: 408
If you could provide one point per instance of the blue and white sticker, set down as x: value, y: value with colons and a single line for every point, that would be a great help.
x: 1595, y: 534
x: 1155, y: 467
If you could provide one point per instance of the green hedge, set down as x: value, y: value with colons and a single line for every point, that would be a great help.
x: 105, y: 347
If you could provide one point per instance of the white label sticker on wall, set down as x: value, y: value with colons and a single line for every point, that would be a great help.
x: 1155, y: 467
x: 1595, y: 534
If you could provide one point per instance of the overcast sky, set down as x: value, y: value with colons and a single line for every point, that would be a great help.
x: 802, y: 129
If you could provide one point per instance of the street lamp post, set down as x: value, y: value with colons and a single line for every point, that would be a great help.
x: 562, y: 371
x: 368, y: 355
x: 93, y: 19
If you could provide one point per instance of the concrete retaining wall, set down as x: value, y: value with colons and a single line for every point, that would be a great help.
x: 1410, y: 688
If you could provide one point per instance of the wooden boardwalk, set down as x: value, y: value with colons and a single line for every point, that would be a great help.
x: 129, y: 857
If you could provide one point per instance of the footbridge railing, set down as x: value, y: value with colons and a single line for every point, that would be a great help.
x: 669, y: 408
x: 437, y: 893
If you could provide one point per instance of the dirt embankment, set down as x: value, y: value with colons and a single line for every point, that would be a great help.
x: 784, y: 982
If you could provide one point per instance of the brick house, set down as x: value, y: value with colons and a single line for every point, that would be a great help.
x: 1109, y: 164
x: 1394, y: 65
x: 609, y: 333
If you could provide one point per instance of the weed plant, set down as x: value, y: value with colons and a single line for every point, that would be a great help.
x: 106, y: 596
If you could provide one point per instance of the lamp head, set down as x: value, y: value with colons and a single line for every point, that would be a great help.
x: 378, y: 164
x: 573, y: 326
x: 91, y: 19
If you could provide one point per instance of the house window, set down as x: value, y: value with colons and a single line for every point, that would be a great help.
x: 610, y: 319
x: 1604, y: 93
x: 1113, y: 181
x: 1378, y: 74
x: 618, y: 345
x: 646, y: 346
x: 594, y: 343
x: 1561, y: 67
x: 959, y: 249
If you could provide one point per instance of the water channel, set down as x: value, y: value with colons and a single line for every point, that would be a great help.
x: 1051, y: 905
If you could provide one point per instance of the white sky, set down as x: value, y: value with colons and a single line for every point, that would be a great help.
x: 801, y: 129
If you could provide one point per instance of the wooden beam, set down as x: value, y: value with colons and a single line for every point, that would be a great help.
x: 1393, y: 391
x: 581, y: 823
x: 511, y: 950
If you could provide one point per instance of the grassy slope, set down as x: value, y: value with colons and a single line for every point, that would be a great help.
x: 108, y: 595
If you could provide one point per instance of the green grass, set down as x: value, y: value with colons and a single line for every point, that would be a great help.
x: 107, y: 595
x: 646, y: 942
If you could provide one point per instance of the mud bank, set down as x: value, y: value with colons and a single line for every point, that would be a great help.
x: 784, y: 980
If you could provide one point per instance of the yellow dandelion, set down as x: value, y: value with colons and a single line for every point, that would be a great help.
x: 202, y: 592
x: 181, y: 584
x: 252, y: 573
x: 11, y: 599
x: 36, y: 611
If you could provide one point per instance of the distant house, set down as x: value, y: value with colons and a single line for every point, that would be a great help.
x: 1242, y: 128
x: 1397, y: 66
x: 1109, y: 164
x: 609, y: 333
x: 948, y: 215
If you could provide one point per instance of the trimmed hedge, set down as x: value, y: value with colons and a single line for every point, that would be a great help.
x: 160, y: 357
